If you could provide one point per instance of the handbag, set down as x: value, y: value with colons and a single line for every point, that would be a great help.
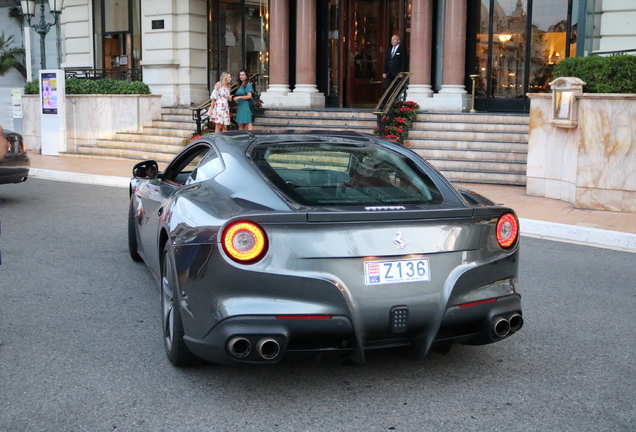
x: 256, y: 98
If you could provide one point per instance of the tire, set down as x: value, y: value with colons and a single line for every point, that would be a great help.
x: 176, y: 349
x: 132, y: 235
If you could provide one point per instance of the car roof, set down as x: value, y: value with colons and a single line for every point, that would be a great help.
x: 244, y: 139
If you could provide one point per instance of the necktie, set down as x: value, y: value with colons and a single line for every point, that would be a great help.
x: 393, y: 52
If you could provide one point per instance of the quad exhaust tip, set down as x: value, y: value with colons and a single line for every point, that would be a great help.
x: 268, y: 348
x: 501, y: 327
x: 516, y: 322
x: 239, y: 347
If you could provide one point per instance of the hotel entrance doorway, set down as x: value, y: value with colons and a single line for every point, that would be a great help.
x: 368, y: 26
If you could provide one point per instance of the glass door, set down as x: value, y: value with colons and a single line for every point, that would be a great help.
x: 516, y: 45
x: 369, y: 25
x: 117, y: 41
x: 364, y: 53
x: 238, y: 37
x: 501, y: 55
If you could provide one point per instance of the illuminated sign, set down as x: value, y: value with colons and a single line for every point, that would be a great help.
x: 48, y: 86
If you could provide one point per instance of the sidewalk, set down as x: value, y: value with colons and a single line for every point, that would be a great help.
x: 539, y: 217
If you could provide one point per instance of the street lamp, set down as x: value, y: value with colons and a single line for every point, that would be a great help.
x: 42, y: 28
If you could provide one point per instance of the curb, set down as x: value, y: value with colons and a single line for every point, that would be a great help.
x: 529, y: 227
x: 96, y: 179
x: 577, y: 234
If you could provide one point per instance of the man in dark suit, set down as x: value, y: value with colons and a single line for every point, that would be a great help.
x: 395, y: 61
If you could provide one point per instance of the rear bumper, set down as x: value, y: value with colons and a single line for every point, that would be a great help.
x: 332, y: 334
x: 247, y: 305
x: 14, y: 169
x: 474, y: 325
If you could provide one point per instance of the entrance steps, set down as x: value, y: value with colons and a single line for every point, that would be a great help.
x: 467, y: 148
x: 361, y: 120
x: 478, y: 148
x: 473, y: 148
x: 160, y: 140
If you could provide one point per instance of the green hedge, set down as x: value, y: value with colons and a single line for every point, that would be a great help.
x: 100, y: 86
x: 616, y: 74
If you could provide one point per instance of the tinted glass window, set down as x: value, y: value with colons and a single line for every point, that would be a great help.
x: 180, y: 169
x: 208, y: 167
x: 326, y: 174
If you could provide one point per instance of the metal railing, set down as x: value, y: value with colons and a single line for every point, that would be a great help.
x: 201, y: 115
x: 396, y: 91
x: 94, y: 74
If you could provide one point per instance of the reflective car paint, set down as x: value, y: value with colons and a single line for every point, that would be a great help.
x: 15, y: 165
x: 314, y: 266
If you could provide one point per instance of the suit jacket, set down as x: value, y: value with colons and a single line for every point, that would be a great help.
x: 396, y: 64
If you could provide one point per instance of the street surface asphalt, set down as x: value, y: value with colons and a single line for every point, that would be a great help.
x: 82, y: 349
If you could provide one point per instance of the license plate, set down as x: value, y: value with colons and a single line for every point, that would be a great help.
x: 401, y: 271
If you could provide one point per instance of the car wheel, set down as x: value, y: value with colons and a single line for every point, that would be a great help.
x: 132, y: 234
x: 176, y: 350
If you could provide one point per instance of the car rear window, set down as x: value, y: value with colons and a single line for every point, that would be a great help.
x: 336, y: 174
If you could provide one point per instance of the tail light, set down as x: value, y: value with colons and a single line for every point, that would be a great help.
x: 244, y: 242
x: 507, y: 230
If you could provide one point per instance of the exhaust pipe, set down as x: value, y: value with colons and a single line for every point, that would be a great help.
x: 268, y: 348
x: 239, y: 347
x: 516, y: 322
x: 501, y: 327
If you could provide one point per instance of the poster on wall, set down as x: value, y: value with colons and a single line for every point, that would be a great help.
x: 16, y: 102
x: 49, y: 93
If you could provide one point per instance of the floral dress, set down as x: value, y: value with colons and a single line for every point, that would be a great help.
x: 244, y: 112
x: 220, y: 111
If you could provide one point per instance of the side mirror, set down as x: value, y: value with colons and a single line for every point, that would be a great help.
x: 146, y: 170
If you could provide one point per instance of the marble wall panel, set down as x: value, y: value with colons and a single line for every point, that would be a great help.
x: 608, y: 145
x: 591, y: 166
x: 31, y: 122
x: 91, y: 117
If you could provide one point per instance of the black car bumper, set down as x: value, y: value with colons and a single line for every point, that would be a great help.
x: 14, y: 169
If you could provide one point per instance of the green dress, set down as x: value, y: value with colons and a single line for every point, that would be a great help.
x: 244, y: 113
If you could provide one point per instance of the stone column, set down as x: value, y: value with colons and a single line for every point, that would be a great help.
x: 453, y: 95
x: 180, y: 79
x: 420, y: 89
x: 278, y: 55
x: 306, y: 93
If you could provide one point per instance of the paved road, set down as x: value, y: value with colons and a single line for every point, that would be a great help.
x: 82, y: 346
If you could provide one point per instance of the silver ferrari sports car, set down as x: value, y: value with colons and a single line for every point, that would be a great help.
x: 267, y: 242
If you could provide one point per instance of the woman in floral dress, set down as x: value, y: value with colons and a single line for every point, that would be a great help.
x: 243, y: 96
x: 219, y: 106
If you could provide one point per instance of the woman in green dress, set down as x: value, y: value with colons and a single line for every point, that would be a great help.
x: 243, y: 95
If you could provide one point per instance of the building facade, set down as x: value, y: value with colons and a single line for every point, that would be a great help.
x: 331, y: 53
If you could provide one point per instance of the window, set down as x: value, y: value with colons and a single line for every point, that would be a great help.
x: 207, y: 167
x: 344, y: 174
x: 182, y: 170
x: 117, y: 37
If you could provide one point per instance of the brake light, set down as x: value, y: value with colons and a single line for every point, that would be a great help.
x: 477, y: 303
x: 244, y: 242
x: 507, y: 230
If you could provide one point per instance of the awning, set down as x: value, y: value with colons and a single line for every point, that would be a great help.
x: 255, y: 43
